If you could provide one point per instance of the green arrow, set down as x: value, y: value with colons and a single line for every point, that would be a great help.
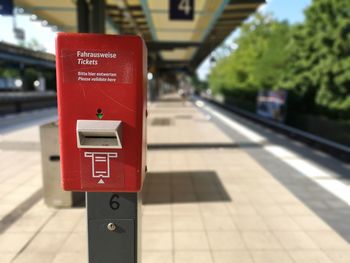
x: 99, y: 115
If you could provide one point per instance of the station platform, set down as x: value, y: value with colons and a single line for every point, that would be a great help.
x: 220, y: 189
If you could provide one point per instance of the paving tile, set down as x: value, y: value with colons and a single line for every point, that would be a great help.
x: 286, y: 199
x: 190, y: 223
x: 218, y: 222
x: 247, y: 223
x: 225, y: 240
x: 179, y: 197
x: 76, y: 242
x: 328, y: 240
x: 72, y: 213
x: 294, y: 240
x: 277, y: 223
x: 193, y: 257
x: 16, y: 197
x: 338, y: 256
x: 157, y: 257
x: 311, y: 223
x: 157, y: 241
x: 241, y: 209
x: 47, y: 242
x: 34, y: 257
x: 297, y: 210
x: 309, y: 257
x: 81, y: 226
x: 269, y: 210
x: 190, y: 241
x: 7, y: 257
x: 5, y: 209
x: 29, y: 222
x: 160, y: 209
x: 185, y: 209
x: 232, y: 257
x: 41, y: 209
x: 70, y: 257
x: 274, y: 256
x: 262, y: 199
x: 62, y: 223
x: 260, y: 240
x: 13, y: 242
x: 156, y: 223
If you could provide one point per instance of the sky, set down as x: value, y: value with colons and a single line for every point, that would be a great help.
x: 45, y: 35
x: 291, y: 10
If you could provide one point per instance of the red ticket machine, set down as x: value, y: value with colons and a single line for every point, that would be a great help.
x: 101, y: 86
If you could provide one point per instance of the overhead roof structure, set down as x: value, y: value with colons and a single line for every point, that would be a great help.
x: 175, y: 43
x: 14, y: 55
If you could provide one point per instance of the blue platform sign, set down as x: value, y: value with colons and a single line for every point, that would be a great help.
x: 6, y: 7
x: 181, y: 9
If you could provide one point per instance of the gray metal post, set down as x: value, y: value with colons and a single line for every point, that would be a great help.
x: 23, y: 75
x: 98, y: 16
x: 83, y: 13
x: 113, y: 219
x: 113, y: 227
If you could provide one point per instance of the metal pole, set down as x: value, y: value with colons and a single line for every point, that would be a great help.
x: 113, y: 227
x: 23, y: 75
x: 112, y: 218
x: 98, y: 16
x: 83, y: 16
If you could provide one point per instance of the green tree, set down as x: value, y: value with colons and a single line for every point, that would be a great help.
x: 319, y: 63
x: 8, y: 73
x: 257, y: 62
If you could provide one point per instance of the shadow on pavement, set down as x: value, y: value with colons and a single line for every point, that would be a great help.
x: 183, y: 187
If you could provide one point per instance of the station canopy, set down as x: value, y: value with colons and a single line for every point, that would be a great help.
x: 174, y: 43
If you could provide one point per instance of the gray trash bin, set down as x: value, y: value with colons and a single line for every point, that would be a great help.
x: 54, y: 196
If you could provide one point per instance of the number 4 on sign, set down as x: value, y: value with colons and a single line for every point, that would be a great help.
x: 181, y: 9
x: 185, y: 6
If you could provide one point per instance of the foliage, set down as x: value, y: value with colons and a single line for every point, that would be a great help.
x: 257, y: 62
x: 319, y: 65
x: 8, y: 73
x: 311, y: 60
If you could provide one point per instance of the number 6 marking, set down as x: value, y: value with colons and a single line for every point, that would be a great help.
x: 113, y: 202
